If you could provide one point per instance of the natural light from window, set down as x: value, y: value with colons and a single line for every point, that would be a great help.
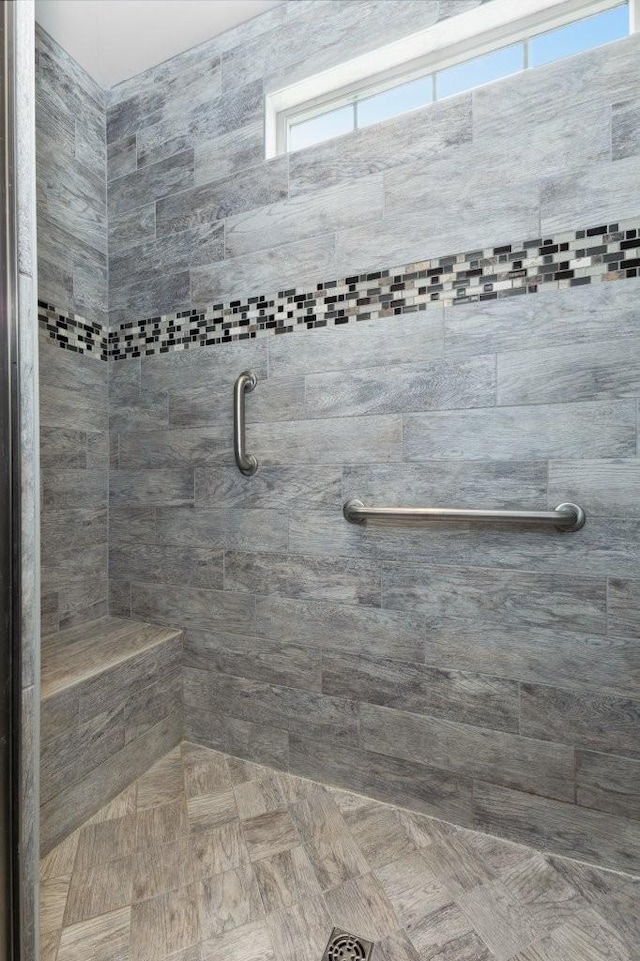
x: 343, y: 113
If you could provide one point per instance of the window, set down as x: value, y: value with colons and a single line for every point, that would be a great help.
x: 460, y: 55
x: 389, y: 103
x: 579, y: 36
x: 473, y: 73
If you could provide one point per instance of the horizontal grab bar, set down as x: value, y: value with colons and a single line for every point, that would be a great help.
x: 566, y: 517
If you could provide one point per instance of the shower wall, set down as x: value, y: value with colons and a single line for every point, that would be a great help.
x: 198, y: 120
x: 490, y: 677
x: 72, y: 293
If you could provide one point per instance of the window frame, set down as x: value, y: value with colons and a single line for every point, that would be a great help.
x: 448, y: 43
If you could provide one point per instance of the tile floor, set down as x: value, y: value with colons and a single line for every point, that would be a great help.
x: 210, y: 858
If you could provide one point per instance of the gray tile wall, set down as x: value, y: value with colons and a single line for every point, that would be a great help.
x: 74, y: 453
x: 446, y: 669
x: 71, y: 179
x: 487, y: 676
x: 72, y: 275
x: 196, y: 215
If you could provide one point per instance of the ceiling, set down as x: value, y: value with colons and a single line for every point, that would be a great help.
x: 117, y: 39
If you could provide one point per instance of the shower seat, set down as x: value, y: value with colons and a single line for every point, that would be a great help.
x: 110, y: 707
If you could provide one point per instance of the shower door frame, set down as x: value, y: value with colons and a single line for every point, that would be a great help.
x: 10, y: 639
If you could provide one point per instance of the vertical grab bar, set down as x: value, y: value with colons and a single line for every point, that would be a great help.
x: 244, y: 384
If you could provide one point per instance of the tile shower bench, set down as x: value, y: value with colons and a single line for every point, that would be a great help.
x: 110, y: 707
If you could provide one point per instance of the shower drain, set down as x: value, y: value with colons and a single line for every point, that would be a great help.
x: 343, y: 946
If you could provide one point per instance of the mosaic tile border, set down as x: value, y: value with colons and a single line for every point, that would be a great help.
x: 72, y: 332
x: 603, y: 253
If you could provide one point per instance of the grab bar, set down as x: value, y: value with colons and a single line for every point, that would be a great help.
x: 566, y: 517
x: 244, y: 384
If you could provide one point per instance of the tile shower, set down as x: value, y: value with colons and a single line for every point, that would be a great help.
x: 440, y: 310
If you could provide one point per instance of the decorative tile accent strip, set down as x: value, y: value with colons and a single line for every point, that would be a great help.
x: 593, y: 255
x: 72, y: 332
x: 604, y: 253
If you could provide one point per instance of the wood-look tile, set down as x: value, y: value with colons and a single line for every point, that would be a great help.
x: 61, y: 859
x: 447, y: 935
x: 352, y: 630
x: 523, y: 763
x: 587, y: 938
x: 588, y: 720
x: 408, y: 387
x: 301, y: 931
x: 68, y: 759
x: 620, y: 910
x: 608, y: 783
x: 242, y: 770
x: 246, y: 739
x: 502, y: 600
x: 105, y: 841
x: 105, y: 938
x: 346, y: 581
x: 165, y: 822
x: 160, y: 868
x: 75, y: 655
x: 199, y: 754
x: 99, y: 890
x: 458, y: 695
x: 377, y: 829
x: 334, y: 854
x: 424, y: 830
x: 355, y: 440
x: 395, y: 947
x: 547, y: 949
x: 500, y: 856
x: 53, y: 899
x: 228, y: 900
x: 268, y: 834
x: 436, y: 893
x: 189, y: 954
x: 362, y: 906
x: 550, y: 901
x: 49, y: 944
x: 131, y: 680
x: 218, y: 850
x: 455, y: 865
x: 208, y: 811
x: 592, y: 883
x: 283, y: 708
x: 412, y: 889
x: 59, y: 713
x: 597, y: 429
x: 286, y: 878
x: 150, y: 704
x: 162, y: 783
x: 165, y: 924
x: 119, y: 807
x: 259, y: 797
x: 565, y: 829
x: 351, y: 805
x: 205, y: 772
x: 503, y: 924
x: 298, y: 788
x: 251, y: 942
x: 216, y: 530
